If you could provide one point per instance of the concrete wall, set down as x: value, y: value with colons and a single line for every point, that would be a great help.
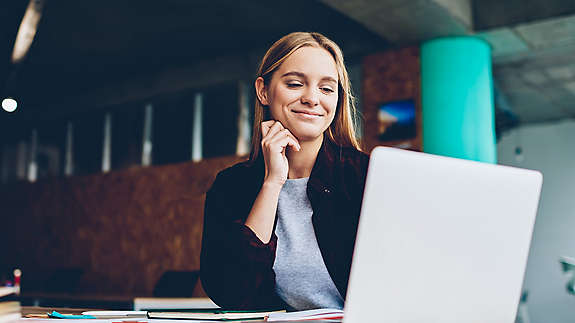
x: 549, y: 148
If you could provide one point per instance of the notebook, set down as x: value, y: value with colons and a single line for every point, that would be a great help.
x: 212, y: 315
x: 441, y: 240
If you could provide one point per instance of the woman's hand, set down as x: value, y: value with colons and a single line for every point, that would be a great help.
x: 275, y: 141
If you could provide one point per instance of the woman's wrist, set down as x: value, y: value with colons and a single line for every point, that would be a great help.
x: 262, y: 215
x: 273, y: 184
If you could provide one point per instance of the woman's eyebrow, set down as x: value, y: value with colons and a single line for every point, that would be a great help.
x: 293, y: 73
x: 302, y: 75
x: 329, y: 79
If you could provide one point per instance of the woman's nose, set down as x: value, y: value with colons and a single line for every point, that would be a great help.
x: 310, y: 97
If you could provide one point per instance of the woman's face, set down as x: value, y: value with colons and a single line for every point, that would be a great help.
x: 303, y: 93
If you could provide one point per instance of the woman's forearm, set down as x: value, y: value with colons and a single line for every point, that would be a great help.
x: 262, y: 215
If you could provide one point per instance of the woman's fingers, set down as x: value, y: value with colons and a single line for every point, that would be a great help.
x: 273, y: 132
x: 294, y: 144
x: 274, y: 129
x: 294, y: 139
x: 285, y: 138
x: 266, y: 125
x: 275, y: 140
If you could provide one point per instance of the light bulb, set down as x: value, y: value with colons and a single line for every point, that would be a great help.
x: 9, y: 105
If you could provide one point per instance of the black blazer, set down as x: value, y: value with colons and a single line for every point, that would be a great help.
x: 236, y: 267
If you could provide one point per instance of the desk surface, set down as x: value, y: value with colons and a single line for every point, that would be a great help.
x: 30, y: 310
x: 26, y: 310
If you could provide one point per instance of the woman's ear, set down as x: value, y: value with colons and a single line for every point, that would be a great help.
x: 261, y: 91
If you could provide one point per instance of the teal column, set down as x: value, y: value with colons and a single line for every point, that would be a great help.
x: 457, y: 99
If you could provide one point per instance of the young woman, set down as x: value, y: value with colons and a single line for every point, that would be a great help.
x: 279, y: 229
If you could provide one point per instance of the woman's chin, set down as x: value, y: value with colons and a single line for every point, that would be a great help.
x: 305, y: 136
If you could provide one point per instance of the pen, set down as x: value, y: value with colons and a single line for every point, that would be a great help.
x: 57, y: 315
x: 115, y: 314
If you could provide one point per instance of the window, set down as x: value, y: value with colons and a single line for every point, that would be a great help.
x: 127, y: 135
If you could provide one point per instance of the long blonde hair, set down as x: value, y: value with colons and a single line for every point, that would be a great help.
x: 342, y: 130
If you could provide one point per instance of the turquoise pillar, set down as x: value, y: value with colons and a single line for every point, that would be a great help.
x: 457, y: 99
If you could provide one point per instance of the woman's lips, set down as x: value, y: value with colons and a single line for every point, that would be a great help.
x: 307, y: 113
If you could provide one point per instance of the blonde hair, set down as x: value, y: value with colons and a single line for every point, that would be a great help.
x: 342, y: 131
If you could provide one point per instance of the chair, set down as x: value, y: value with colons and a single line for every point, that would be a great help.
x: 176, y: 284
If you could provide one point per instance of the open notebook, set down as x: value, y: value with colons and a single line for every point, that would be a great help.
x: 213, y: 315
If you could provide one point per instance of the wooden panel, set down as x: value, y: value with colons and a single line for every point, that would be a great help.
x: 123, y: 228
x: 388, y: 77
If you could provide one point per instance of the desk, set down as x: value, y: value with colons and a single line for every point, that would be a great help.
x: 43, y: 310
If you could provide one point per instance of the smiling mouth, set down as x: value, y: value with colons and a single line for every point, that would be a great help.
x: 308, y: 113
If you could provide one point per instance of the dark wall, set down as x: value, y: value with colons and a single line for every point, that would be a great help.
x: 116, y: 233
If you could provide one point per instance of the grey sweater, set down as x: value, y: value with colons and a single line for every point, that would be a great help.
x: 302, y: 279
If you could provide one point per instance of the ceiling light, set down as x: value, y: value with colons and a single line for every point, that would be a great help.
x: 9, y: 105
x: 27, y: 30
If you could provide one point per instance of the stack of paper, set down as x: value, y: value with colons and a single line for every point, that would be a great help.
x: 9, y: 305
x: 168, y: 303
x: 194, y: 314
x: 213, y: 315
x: 319, y: 314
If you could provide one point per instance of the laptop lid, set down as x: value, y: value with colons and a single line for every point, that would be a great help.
x: 441, y: 240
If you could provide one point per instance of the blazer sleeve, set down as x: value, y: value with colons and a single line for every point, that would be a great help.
x: 235, y: 265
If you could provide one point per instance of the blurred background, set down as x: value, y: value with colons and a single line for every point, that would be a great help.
x: 118, y: 114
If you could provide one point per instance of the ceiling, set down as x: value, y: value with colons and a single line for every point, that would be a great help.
x: 84, y: 46
x: 533, y: 43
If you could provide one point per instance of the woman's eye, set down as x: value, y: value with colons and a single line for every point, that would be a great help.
x: 327, y: 89
x: 293, y: 85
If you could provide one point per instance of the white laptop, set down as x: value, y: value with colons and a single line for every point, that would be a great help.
x: 441, y: 240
